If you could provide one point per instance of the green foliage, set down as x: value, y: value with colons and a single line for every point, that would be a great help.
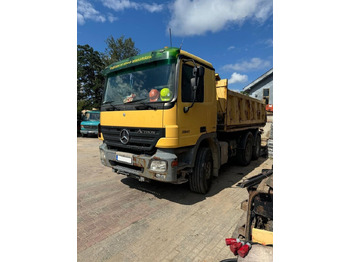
x: 244, y: 93
x: 90, y: 63
x: 90, y: 79
x: 119, y: 49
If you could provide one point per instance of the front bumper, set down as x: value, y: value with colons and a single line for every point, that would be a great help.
x: 139, y: 165
x: 86, y: 132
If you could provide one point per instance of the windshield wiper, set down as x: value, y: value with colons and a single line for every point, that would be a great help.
x: 110, y: 103
x: 143, y: 105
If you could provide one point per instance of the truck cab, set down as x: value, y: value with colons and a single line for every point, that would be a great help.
x: 159, y: 119
x: 90, y: 122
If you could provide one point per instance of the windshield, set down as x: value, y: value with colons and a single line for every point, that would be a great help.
x: 148, y: 83
x: 91, y: 116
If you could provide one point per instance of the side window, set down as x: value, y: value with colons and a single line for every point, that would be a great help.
x: 186, y: 89
x: 266, y: 92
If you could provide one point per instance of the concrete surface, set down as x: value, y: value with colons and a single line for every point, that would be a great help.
x: 121, y: 219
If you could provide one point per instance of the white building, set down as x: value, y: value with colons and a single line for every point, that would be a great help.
x: 262, y: 88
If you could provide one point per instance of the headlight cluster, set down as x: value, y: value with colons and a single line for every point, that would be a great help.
x: 158, y: 166
x: 103, y: 157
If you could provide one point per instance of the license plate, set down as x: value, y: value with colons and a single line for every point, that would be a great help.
x: 123, y: 159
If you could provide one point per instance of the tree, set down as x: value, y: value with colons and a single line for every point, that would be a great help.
x: 245, y: 93
x: 119, y: 49
x: 90, y: 79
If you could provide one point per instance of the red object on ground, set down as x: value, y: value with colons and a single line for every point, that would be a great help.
x: 243, y: 251
x: 235, y: 247
x: 230, y: 241
x: 234, y: 244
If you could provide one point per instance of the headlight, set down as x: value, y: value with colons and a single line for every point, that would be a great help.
x: 158, y: 166
x: 103, y: 157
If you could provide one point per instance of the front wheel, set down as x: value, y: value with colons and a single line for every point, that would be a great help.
x: 200, y: 179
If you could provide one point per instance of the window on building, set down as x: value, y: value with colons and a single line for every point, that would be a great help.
x: 266, y: 95
x: 266, y: 92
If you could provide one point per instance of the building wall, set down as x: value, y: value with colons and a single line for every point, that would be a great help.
x: 257, y: 90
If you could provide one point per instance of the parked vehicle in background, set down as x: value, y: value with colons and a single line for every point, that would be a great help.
x: 89, y: 123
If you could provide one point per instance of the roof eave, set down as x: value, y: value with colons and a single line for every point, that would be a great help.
x: 265, y: 75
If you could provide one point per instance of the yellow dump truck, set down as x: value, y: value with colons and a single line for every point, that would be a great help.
x: 167, y: 116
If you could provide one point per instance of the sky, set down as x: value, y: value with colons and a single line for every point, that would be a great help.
x: 236, y: 36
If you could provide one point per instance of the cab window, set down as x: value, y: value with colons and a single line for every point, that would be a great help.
x: 186, y: 89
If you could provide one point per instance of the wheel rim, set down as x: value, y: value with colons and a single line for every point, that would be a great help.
x: 207, y: 170
x: 200, y: 180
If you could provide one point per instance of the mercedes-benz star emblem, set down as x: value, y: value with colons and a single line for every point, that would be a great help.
x: 124, y: 136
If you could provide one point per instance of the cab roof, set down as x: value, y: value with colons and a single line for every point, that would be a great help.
x: 160, y: 54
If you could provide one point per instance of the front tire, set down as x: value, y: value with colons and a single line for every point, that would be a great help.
x: 200, y: 179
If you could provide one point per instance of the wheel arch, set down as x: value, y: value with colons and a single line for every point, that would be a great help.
x: 208, y: 140
x: 244, y: 137
x: 255, y: 134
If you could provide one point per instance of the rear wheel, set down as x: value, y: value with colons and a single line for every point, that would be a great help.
x: 245, y: 155
x: 257, y: 147
x: 200, y: 179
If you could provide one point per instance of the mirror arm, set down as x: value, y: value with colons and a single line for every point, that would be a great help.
x: 187, y: 108
x: 192, y: 60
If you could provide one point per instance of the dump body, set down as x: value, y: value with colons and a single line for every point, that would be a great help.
x: 235, y: 110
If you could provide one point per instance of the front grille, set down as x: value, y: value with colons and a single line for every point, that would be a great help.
x: 140, y: 139
x: 90, y: 127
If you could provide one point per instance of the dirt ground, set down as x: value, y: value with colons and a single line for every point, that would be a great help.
x: 122, y: 219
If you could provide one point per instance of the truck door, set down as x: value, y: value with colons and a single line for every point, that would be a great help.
x: 201, y: 118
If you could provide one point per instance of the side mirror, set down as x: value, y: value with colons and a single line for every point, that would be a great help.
x: 194, y: 83
x: 198, y: 73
